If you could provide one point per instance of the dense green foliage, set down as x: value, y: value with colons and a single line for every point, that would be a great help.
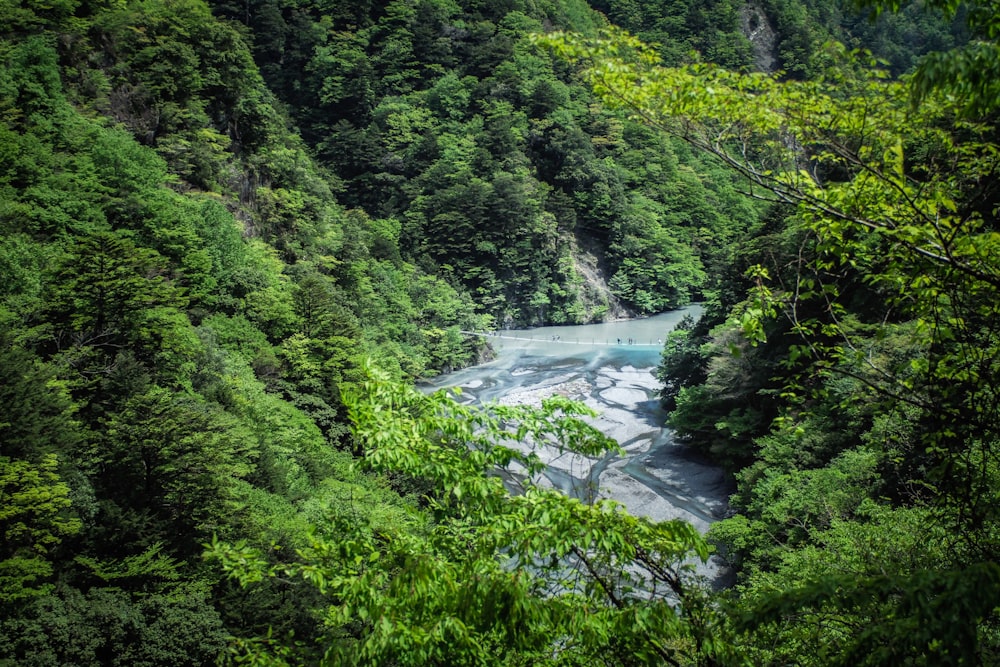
x: 499, y: 569
x: 185, y: 298
x: 182, y: 301
x: 497, y: 168
x: 781, y: 35
x: 847, y: 373
x: 212, y: 215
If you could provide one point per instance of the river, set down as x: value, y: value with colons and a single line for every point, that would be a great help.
x: 609, y: 367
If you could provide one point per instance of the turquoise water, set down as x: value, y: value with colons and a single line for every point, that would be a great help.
x: 657, y: 477
x: 533, y: 356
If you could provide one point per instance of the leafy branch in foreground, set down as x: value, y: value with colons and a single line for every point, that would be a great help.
x: 902, y: 199
x: 836, y: 146
x: 498, y: 570
x: 896, y: 200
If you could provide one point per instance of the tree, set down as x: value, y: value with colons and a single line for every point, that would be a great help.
x: 968, y: 72
x: 38, y: 413
x: 34, y: 518
x: 104, y: 286
x: 175, y: 461
x: 680, y: 361
x: 885, y: 190
x: 892, y: 183
x: 107, y: 625
x: 501, y: 570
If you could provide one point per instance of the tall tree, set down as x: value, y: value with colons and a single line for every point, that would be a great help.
x: 903, y: 196
x: 502, y: 571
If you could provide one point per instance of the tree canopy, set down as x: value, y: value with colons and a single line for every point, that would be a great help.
x: 875, y: 307
x: 213, y: 215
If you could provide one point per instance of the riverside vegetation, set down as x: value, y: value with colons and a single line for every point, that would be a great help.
x: 213, y: 216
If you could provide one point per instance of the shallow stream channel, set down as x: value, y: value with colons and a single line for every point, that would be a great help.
x: 611, y: 368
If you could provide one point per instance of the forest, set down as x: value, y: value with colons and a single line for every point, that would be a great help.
x: 233, y: 235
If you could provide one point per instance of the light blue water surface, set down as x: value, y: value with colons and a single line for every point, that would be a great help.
x: 658, y: 477
x: 534, y: 356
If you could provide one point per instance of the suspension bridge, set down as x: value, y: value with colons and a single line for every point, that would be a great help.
x: 590, y: 342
